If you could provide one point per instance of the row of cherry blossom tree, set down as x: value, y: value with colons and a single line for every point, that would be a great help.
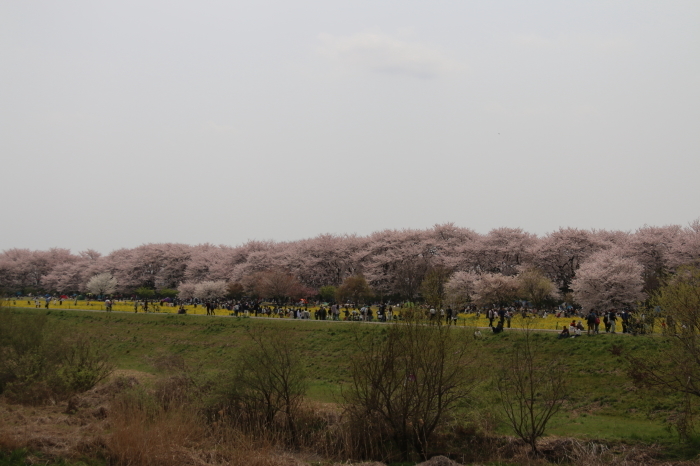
x: 619, y: 265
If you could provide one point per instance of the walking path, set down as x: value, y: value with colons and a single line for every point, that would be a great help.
x: 480, y: 328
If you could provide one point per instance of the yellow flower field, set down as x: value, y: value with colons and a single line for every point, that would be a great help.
x: 548, y: 323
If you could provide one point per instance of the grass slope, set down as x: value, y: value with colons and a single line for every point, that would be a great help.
x: 603, y: 403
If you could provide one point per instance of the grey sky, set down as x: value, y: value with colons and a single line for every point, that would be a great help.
x: 130, y: 122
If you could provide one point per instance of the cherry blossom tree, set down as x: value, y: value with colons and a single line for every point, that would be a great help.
x: 502, y: 251
x: 150, y: 265
x: 460, y: 288
x: 324, y: 260
x: 102, y: 284
x: 446, y: 244
x: 608, y: 280
x: 263, y: 260
x: 42, y: 262
x: 495, y: 289
x: 202, y: 258
x: 186, y: 290
x: 653, y: 248
x: 72, y: 275
x: 395, y: 262
x: 14, y: 265
x: 209, y: 262
x: 276, y: 284
x: 65, y: 278
x: 227, y: 263
x: 685, y: 251
x: 23, y: 269
x: 210, y: 290
x: 560, y: 254
x: 466, y: 255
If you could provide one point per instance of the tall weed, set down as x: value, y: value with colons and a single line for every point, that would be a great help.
x: 40, y: 364
x: 144, y: 433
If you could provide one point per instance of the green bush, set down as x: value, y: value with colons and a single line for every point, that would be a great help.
x: 38, y: 364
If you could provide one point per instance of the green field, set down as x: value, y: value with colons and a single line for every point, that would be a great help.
x: 603, y: 403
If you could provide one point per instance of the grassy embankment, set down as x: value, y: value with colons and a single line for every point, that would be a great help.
x: 603, y: 403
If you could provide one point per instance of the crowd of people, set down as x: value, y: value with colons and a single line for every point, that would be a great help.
x: 610, y: 319
x: 498, y: 318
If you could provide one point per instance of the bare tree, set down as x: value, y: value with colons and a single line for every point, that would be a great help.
x: 269, y: 378
x: 532, y: 388
x: 407, y: 378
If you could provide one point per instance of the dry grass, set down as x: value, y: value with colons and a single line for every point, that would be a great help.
x: 129, y: 423
x: 143, y: 438
x: 165, y: 425
x: 54, y: 430
x: 106, y: 423
x: 557, y: 450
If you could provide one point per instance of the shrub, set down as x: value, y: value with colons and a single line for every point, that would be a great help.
x: 82, y: 364
x: 38, y: 364
x: 404, y: 383
x: 264, y: 390
x: 532, y: 387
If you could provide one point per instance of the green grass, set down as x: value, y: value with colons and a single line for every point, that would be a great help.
x: 603, y: 404
x: 611, y: 428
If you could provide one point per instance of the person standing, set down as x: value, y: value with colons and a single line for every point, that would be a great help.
x: 591, y: 321
x: 502, y: 316
x: 612, y: 319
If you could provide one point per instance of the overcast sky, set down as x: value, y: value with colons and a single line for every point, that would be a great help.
x: 132, y: 122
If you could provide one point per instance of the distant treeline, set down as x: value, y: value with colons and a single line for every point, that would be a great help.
x: 395, y: 263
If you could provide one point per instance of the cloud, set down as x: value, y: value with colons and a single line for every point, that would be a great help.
x: 382, y: 53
